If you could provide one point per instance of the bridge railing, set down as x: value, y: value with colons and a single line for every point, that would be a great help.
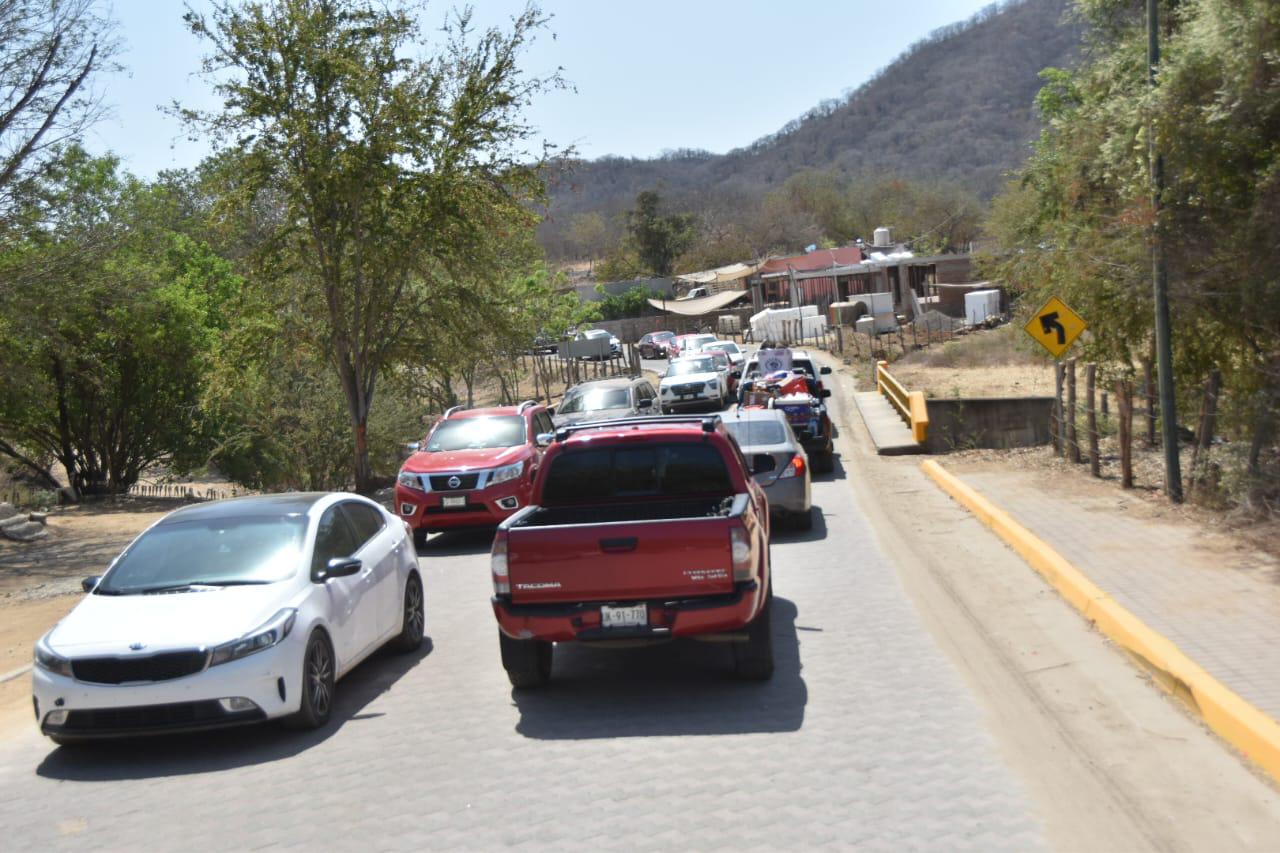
x: 910, y: 404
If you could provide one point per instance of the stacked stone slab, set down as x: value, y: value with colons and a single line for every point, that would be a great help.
x: 21, y: 528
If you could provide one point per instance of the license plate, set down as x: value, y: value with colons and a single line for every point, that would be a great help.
x: 454, y: 501
x: 635, y: 616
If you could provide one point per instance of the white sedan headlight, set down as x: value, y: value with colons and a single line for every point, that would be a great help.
x: 666, y: 389
x: 264, y: 637
x: 50, y: 661
x: 409, y: 481
x: 506, y: 473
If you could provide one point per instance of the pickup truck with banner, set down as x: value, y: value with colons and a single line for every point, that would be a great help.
x: 642, y: 529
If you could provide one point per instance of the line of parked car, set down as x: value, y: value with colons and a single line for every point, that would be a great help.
x: 615, y: 521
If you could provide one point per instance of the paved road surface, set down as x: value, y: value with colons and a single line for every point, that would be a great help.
x: 867, y: 736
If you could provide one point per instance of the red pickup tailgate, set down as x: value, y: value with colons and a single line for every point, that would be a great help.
x: 672, y: 558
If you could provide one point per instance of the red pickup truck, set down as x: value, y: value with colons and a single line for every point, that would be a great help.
x: 640, y: 529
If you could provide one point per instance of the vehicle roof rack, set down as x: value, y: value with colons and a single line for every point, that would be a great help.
x: 708, y: 423
x: 450, y: 411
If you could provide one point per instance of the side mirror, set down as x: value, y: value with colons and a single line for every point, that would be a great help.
x: 763, y: 463
x: 413, y: 446
x: 338, y: 567
x: 644, y: 404
x: 551, y: 410
x: 90, y: 582
x: 826, y: 392
x: 543, y: 439
x: 824, y: 370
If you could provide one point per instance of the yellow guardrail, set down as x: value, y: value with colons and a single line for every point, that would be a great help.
x: 910, y: 404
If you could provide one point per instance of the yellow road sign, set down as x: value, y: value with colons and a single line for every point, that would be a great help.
x: 1055, y: 326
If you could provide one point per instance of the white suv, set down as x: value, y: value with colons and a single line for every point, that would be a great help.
x: 693, y: 381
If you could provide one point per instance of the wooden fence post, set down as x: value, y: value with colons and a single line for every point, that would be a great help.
x: 1124, y: 407
x: 1073, y: 446
x: 1091, y: 419
x: 1208, y: 419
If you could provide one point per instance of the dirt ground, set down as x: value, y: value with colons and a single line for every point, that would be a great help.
x: 82, y: 541
x: 998, y: 362
x: 997, y: 381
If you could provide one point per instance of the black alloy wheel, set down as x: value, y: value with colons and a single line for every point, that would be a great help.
x: 414, y: 619
x: 319, y: 675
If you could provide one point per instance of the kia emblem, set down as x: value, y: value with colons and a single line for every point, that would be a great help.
x: 454, y: 482
x: 137, y: 647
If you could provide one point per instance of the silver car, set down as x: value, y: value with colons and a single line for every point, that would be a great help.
x: 777, y: 460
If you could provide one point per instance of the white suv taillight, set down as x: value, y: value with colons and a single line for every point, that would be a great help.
x: 740, y: 544
x: 498, y: 564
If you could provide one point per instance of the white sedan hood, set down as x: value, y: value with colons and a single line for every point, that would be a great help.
x: 108, y: 624
x: 685, y: 378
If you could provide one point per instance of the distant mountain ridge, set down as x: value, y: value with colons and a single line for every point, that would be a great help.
x: 956, y: 107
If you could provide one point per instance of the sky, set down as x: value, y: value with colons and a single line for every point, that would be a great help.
x: 644, y: 76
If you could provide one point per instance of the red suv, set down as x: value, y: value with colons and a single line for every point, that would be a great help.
x: 475, y: 468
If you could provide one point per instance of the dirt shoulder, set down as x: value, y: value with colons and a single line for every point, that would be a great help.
x: 40, y: 583
x: 82, y: 541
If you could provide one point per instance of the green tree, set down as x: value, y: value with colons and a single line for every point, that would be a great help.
x: 658, y: 239
x: 107, y: 320
x: 630, y: 303
x: 1079, y: 219
x: 394, y: 172
x: 51, y: 51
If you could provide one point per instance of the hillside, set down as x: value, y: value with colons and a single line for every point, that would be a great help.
x: 956, y: 107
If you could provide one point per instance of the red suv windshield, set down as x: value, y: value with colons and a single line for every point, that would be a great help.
x: 477, y: 434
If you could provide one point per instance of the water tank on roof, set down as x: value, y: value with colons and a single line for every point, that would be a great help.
x: 882, y: 237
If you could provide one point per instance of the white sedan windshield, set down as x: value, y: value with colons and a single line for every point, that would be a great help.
x: 209, y: 552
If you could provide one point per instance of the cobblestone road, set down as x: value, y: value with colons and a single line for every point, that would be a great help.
x: 865, y: 737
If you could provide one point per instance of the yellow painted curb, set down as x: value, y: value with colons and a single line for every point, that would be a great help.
x: 1232, y: 718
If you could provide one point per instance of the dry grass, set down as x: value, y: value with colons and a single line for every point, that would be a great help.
x: 1000, y: 362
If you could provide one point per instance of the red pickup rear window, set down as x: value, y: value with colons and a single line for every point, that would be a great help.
x: 641, y: 471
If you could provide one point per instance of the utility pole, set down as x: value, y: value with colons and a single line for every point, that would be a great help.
x: 1160, y: 276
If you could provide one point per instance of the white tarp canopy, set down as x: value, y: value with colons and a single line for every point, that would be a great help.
x: 699, y: 306
x: 732, y: 272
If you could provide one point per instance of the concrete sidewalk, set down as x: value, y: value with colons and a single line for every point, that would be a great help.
x: 889, y: 433
x: 1214, y: 597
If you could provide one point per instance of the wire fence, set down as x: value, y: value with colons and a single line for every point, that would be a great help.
x: 1083, y: 417
x: 25, y: 496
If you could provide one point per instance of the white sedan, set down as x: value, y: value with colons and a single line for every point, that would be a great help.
x: 231, y: 612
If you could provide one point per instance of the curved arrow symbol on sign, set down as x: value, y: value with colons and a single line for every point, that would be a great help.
x: 1049, y: 324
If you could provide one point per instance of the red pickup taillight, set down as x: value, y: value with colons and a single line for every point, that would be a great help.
x: 740, y: 544
x: 498, y: 564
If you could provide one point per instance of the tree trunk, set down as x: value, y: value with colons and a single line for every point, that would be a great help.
x: 363, y: 470
x: 1124, y: 409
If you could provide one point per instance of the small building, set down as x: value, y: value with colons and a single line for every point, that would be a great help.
x: 772, y: 282
x: 898, y: 272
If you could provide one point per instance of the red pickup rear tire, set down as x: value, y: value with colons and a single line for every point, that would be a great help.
x: 527, y: 662
x: 753, y: 659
